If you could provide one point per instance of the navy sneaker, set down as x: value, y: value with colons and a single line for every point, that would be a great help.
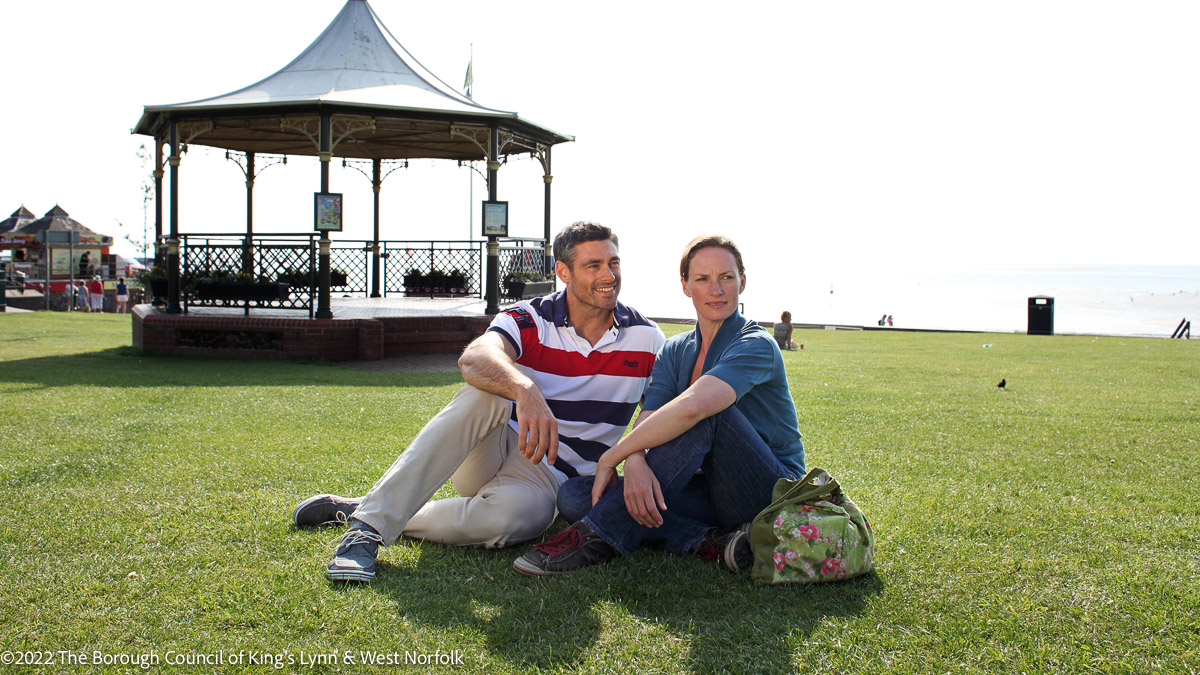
x: 573, y: 548
x: 324, y: 510
x: 355, y: 556
x: 730, y: 547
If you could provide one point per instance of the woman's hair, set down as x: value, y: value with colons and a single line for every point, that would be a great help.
x: 786, y: 317
x: 709, y: 241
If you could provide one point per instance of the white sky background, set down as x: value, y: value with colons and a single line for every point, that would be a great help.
x: 821, y: 136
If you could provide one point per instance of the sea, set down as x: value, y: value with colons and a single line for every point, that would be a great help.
x: 1123, y: 300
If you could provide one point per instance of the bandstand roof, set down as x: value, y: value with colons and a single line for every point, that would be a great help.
x: 384, y: 103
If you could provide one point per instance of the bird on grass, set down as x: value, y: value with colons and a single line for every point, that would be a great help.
x: 1002, y: 383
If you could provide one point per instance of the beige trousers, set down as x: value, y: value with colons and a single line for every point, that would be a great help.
x: 505, y: 499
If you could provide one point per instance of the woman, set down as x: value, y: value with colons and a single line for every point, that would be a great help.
x: 122, y: 295
x: 783, y: 331
x: 721, y: 427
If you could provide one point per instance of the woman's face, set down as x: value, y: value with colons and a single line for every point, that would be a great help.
x: 713, y: 283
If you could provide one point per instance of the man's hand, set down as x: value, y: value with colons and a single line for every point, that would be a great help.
x: 537, y: 429
x: 605, y: 479
x: 643, y: 496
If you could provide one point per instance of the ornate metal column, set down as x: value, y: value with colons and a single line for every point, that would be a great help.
x: 543, y: 155
x: 493, y: 245
x: 159, y: 257
x: 324, y: 310
x: 376, y: 185
x: 173, y: 241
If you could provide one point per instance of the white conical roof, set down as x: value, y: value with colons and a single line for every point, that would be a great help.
x: 356, y: 61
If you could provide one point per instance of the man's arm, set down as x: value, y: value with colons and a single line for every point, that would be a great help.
x: 488, y: 364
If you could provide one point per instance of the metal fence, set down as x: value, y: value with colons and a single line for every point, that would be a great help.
x: 405, y: 266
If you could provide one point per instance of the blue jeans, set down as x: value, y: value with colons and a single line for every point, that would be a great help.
x: 739, y: 473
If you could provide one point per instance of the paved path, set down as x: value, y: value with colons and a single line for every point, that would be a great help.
x: 419, y: 363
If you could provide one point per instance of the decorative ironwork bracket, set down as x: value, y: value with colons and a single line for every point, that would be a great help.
x: 190, y: 130
x: 477, y: 135
x: 309, y: 125
x: 239, y: 158
x: 542, y: 153
x: 342, y: 127
x: 395, y: 164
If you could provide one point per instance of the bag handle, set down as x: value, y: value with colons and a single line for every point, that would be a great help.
x: 816, y: 484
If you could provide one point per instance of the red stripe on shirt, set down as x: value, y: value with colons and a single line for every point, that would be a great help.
x: 573, y: 364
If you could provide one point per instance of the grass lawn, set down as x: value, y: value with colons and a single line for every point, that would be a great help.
x: 145, y: 508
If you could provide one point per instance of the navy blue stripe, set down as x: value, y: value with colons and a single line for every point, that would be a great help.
x: 617, y: 413
x: 516, y: 347
x: 589, y: 450
x: 562, y: 465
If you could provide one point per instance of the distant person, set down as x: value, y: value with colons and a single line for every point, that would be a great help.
x: 96, y: 294
x: 889, y: 320
x: 783, y: 331
x: 883, y: 320
x: 122, y: 295
x: 81, y: 297
x: 84, y: 261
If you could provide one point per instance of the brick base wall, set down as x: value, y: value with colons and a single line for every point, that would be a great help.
x: 330, y: 339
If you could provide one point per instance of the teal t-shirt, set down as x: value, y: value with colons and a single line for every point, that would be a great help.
x: 744, y: 356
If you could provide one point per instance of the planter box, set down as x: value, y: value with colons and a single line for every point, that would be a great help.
x: 158, y: 291
x: 246, y: 292
x: 522, y: 290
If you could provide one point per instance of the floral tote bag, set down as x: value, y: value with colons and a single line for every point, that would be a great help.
x: 810, y: 533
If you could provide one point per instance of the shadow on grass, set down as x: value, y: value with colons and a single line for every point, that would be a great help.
x: 132, y: 367
x: 650, y: 606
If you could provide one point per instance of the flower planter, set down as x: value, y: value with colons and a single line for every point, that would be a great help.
x: 158, y: 291
x: 243, y: 292
x: 522, y: 290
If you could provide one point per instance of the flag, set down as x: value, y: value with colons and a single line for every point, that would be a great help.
x: 470, y: 80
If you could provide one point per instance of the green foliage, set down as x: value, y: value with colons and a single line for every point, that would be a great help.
x: 1052, y: 526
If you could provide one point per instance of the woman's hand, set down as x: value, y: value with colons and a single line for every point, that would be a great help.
x: 643, y: 496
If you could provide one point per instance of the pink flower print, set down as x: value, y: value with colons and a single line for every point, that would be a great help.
x: 810, y: 532
x: 779, y: 562
x: 829, y: 567
x: 790, y: 555
x: 806, y: 508
x: 779, y: 521
x: 808, y: 569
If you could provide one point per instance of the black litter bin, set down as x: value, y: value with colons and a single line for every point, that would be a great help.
x: 1041, y: 315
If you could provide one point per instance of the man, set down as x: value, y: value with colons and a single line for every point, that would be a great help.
x: 551, y: 386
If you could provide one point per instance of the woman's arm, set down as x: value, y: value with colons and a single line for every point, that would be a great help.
x: 706, y: 397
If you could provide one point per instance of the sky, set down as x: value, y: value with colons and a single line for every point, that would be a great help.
x: 831, y: 140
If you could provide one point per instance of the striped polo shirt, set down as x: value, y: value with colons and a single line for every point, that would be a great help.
x: 592, y: 390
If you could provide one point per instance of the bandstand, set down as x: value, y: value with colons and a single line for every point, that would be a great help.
x: 356, y: 94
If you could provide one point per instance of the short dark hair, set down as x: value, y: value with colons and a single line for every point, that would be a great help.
x: 577, y: 233
x: 709, y: 241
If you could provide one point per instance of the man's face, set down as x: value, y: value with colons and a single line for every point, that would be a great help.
x: 594, y: 280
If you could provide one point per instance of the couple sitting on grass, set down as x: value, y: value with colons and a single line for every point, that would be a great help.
x: 551, y: 387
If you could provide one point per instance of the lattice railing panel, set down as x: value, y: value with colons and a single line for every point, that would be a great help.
x: 355, y: 262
